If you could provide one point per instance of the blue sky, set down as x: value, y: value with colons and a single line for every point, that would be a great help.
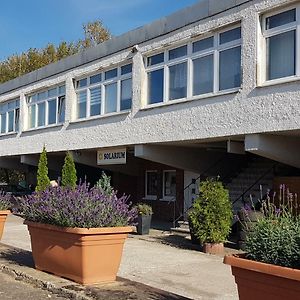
x: 34, y: 23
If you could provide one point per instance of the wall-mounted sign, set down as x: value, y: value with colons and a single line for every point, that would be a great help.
x: 111, y: 156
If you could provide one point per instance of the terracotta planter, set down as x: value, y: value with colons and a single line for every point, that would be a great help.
x: 256, y: 280
x: 213, y: 248
x: 86, y: 256
x: 3, y: 216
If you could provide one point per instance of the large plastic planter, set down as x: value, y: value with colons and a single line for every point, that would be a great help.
x: 87, y: 256
x: 261, y: 281
x: 3, y: 216
x: 144, y: 224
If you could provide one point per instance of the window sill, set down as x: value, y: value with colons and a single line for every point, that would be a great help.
x: 184, y: 100
x: 8, y: 133
x: 166, y: 199
x: 43, y: 127
x: 279, y: 81
x: 123, y: 112
x: 150, y: 198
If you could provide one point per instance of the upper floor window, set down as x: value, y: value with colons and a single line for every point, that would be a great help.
x: 280, y: 33
x: 205, y: 66
x: 9, y: 116
x: 103, y: 93
x: 46, y: 107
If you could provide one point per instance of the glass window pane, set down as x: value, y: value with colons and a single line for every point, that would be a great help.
x: 111, y: 74
x: 3, y: 123
x: 203, y: 75
x: 52, y: 92
x: 230, y: 35
x: 230, y: 68
x: 32, y: 116
x: 62, y: 90
x: 155, y: 59
x: 126, y: 94
x: 281, y: 19
x: 81, y: 83
x: 281, y: 51
x: 111, y: 98
x: 95, y: 108
x: 170, y: 184
x: 178, y: 52
x: 203, y: 44
x: 151, y: 182
x: 126, y: 69
x: 61, y: 109
x: 11, y: 121
x: 81, y: 104
x: 155, y: 86
x: 41, y: 114
x: 52, y: 111
x: 95, y: 79
x: 42, y: 96
x: 178, y: 81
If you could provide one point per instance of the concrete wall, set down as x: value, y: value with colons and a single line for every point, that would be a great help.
x: 250, y: 110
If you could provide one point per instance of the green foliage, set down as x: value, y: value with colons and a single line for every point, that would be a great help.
x: 69, y: 177
x: 43, y: 180
x: 211, y: 215
x: 20, y: 64
x: 275, y: 238
x: 104, y: 184
x: 11, y: 176
x: 144, y: 209
x: 4, y: 201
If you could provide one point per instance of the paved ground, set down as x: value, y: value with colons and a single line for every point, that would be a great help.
x: 150, y: 261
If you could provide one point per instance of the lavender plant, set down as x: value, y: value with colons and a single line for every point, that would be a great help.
x: 81, y: 207
x: 4, y: 201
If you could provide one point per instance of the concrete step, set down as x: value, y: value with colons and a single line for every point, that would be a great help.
x: 180, y: 231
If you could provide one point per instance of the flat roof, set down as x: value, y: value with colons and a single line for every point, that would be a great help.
x: 199, y: 11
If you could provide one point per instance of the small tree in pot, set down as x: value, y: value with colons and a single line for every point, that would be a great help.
x: 211, y: 216
x: 145, y: 213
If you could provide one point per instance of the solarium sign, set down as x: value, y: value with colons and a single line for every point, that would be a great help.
x: 111, y: 156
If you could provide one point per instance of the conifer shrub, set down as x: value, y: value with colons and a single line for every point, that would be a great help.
x: 104, y: 184
x: 43, y: 180
x: 69, y: 176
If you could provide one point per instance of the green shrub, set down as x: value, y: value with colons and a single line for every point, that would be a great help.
x: 104, y: 184
x: 43, y: 180
x: 211, y: 215
x: 69, y: 177
x: 144, y: 209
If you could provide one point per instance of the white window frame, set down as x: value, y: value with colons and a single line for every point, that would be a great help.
x: 164, y: 197
x: 102, y: 84
x: 215, y: 51
x: 149, y: 197
x: 267, y: 33
x: 46, y: 100
x: 16, y: 115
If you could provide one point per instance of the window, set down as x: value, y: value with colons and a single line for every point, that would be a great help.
x: 46, y: 107
x: 280, y: 31
x: 104, y: 93
x: 151, y: 184
x: 169, y: 184
x: 209, y: 65
x: 9, y: 116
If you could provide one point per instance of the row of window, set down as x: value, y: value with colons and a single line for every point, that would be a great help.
x: 200, y: 67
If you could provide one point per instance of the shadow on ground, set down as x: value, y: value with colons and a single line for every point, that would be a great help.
x: 17, y: 256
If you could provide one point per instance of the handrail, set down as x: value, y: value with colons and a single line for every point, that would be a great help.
x: 256, y: 182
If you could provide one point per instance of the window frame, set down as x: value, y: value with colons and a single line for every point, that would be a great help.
x: 165, y: 197
x: 150, y: 197
x: 102, y: 84
x: 267, y: 33
x: 189, y: 58
x: 16, y: 116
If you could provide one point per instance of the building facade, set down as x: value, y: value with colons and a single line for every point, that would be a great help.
x: 210, y: 90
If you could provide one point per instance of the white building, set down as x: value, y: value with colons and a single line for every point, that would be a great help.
x: 210, y: 90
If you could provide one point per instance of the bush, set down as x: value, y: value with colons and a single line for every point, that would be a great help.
x: 43, y: 180
x: 104, y: 184
x: 211, y: 215
x: 77, y: 207
x: 144, y: 209
x: 4, y: 201
x: 69, y: 177
x: 275, y: 239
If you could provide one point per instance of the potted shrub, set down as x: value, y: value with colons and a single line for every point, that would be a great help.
x: 211, y: 216
x: 4, y: 210
x: 77, y: 232
x: 270, y: 268
x: 144, y: 212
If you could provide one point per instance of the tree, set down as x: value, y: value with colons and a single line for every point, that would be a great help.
x: 43, y: 180
x: 69, y: 177
x: 33, y: 59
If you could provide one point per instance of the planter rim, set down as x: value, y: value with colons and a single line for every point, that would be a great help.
x: 239, y: 261
x: 5, y: 212
x: 76, y: 230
